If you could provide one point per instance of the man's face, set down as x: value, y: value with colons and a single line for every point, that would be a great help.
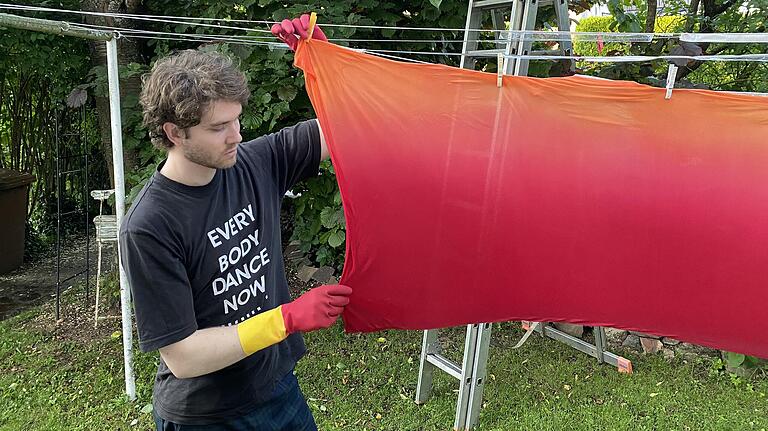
x: 213, y: 143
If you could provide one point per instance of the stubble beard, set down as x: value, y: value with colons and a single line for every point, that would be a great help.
x: 199, y: 156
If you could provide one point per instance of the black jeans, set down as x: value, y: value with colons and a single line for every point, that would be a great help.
x: 286, y: 411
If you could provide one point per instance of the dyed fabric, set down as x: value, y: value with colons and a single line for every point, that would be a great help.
x: 564, y: 199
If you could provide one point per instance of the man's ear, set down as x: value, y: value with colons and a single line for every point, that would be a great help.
x: 174, y: 133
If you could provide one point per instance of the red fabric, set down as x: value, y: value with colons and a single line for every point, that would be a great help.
x: 564, y: 199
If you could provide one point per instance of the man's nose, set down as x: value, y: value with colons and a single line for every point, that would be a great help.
x: 234, y: 136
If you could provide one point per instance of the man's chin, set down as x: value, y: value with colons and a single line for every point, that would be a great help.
x: 228, y: 163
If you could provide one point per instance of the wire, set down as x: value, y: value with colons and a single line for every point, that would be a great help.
x: 725, y: 37
x: 510, y: 35
x: 275, y: 45
x: 513, y: 35
x: 168, y: 20
x: 380, y: 54
x: 606, y: 59
x: 201, y: 35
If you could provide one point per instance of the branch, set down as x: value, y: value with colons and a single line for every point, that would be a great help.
x: 723, y: 7
x: 694, y: 10
x: 650, y: 19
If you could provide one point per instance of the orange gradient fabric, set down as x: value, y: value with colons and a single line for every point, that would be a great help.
x: 564, y: 199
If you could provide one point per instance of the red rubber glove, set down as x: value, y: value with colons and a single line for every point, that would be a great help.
x: 316, y: 309
x: 290, y: 31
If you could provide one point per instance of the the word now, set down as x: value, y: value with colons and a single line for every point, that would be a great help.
x: 244, y: 296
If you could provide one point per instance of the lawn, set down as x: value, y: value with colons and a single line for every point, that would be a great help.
x: 51, y: 379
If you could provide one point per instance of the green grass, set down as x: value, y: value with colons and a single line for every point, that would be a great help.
x: 47, y: 384
x: 368, y: 382
x: 542, y: 386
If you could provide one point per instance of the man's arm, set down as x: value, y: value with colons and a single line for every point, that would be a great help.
x: 324, y: 154
x: 290, y: 31
x: 211, y: 349
x: 205, y: 351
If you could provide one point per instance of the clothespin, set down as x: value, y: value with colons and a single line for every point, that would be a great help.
x: 671, y: 75
x: 312, y: 22
x: 500, y: 70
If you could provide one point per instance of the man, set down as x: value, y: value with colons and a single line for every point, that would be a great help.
x: 201, y: 247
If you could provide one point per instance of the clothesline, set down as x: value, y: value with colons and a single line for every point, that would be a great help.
x: 500, y: 41
x: 395, y: 54
x: 270, y: 38
x: 149, y: 34
x: 256, y: 40
x: 516, y: 34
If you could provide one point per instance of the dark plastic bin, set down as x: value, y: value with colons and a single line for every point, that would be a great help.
x: 14, y: 187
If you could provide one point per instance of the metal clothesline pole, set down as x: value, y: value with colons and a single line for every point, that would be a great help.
x: 117, y: 161
x: 65, y: 29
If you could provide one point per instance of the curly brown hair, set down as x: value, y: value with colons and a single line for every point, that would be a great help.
x: 180, y: 87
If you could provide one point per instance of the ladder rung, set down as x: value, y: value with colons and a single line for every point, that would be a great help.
x: 493, y: 4
x: 547, y: 52
x: 485, y: 52
x: 444, y: 364
x: 490, y: 4
x: 495, y: 52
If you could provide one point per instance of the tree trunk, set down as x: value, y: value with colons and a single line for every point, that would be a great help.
x: 650, y: 19
x: 128, y: 51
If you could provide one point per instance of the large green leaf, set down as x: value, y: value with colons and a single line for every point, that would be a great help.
x: 287, y: 94
x: 336, y: 238
x: 734, y: 359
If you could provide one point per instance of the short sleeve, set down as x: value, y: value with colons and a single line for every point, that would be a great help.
x: 161, y: 292
x: 296, y: 153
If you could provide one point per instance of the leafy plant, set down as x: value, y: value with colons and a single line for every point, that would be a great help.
x: 320, y: 225
x: 743, y: 365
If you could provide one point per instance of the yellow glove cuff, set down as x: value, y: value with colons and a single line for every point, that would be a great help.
x: 262, y: 330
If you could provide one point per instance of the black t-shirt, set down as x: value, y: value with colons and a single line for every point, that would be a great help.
x: 200, y: 257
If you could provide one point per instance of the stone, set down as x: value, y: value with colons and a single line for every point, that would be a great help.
x: 670, y: 341
x: 650, y: 345
x: 332, y: 280
x: 305, y: 273
x: 644, y: 335
x: 300, y: 261
x: 691, y: 351
x: 291, y: 248
x: 323, y: 274
x: 669, y: 354
x: 632, y: 341
x: 294, y: 254
x: 615, y: 336
x: 570, y: 329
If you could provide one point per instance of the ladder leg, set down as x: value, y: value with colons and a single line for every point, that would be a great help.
x: 478, y: 375
x: 514, y: 38
x: 599, y: 333
x: 429, y: 345
x: 465, y: 382
x: 564, y: 24
x: 524, y: 47
x: 471, y: 35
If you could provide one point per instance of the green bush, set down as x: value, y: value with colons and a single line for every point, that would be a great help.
x: 664, y: 24
x: 319, y: 218
x: 597, y: 24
